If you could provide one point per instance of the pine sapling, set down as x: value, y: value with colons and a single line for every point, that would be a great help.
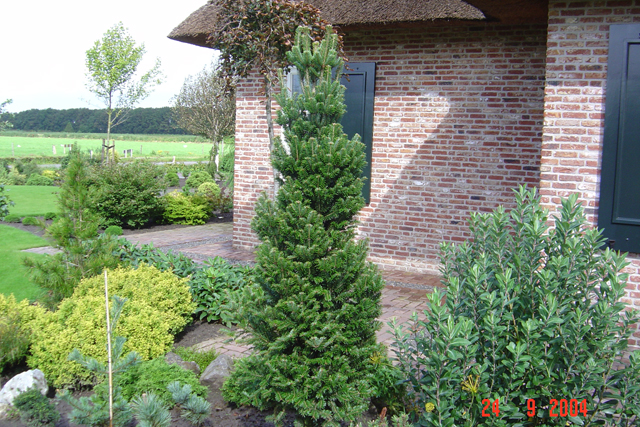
x: 312, y: 313
x: 150, y: 411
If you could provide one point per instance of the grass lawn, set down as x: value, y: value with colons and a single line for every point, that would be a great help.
x: 30, y: 146
x: 13, y: 275
x: 31, y: 200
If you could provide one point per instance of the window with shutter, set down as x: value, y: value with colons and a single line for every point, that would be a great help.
x: 619, y: 207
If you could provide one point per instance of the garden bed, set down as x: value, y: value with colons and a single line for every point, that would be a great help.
x: 223, y: 414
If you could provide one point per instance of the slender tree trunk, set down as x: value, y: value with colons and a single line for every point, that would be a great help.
x: 109, y: 366
x: 268, y: 91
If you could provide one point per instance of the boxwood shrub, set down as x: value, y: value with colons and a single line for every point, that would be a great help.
x: 159, y: 306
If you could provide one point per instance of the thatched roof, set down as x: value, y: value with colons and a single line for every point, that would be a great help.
x: 357, y: 13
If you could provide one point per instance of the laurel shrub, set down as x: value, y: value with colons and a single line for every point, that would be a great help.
x: 530, y: 330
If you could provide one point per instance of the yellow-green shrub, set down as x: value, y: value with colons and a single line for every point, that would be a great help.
x: 159, y: 305
x: 14, y: 332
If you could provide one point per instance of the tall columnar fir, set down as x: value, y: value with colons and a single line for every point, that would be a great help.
x: 312, y: 313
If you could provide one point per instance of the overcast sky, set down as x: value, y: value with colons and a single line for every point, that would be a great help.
x: 43, y: 45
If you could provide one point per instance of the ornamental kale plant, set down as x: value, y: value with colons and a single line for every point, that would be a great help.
x: 530, y: 330
x: 312, y: 313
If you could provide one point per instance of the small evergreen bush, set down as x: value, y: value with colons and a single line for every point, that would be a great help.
x: 154, y: 376
x: 531, y: 314
x: 35, y: 179
x: 50, y: 215
x: 35, y: 409
x: 27, y: 168
x: 14, y: 336
x: 5, y: 202
x: 150, y: 411
x: 51, y: 174
x: 209, y: 189
x: 13, y: 218
x: 16, y: 178
x: 312, y: 313
x: 180, y: 208
x: 202, y: 358
x: 172, y: 179
x: 30, y: 220
x: 197, y: 178
x: 113, y: 230
x: 128, y: 195
x: 159, y: 306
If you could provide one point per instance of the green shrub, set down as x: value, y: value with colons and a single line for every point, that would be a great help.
x: 211, y: 288
x: 35, y: 409
x: 202, y: 358
x: 97, y: 410
x: 16, y: 178
x: 389, y: 384
x: 14, y: 337
x: 180, y: 208
x: 51, y: 174
x: 29, y: 220
x: 172, y: 179
x: 113, y: 230
x: 197, y: 178
x: 153, y: 376
x: 5, y: 202
x: 211, y: 285
x: 159, y: 306
x: 27, y: 168
x: 13, y: 218
x: 530, y: 314
x: 50, y: 215
x: 129, y: 194
x: 36, y: 179
x: 209, y: 189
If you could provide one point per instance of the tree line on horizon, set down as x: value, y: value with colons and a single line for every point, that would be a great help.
x: 84, y: 120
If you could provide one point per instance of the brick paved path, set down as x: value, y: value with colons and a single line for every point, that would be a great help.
x: 211, y: 240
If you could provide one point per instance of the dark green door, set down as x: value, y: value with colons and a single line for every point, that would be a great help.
x: 619, y: 211
x: 360, y: 83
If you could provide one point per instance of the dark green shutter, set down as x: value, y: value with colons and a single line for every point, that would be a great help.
x: 619, y: 209
x: 360, y: 82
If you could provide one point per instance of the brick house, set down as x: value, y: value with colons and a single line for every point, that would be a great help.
x: 466, y: 102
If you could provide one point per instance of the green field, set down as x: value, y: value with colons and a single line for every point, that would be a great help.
x: 13, y: 275
x: 32, y: 200
x: 154, y: 147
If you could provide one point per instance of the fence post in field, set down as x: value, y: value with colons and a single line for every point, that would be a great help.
x: 141, y: 150
x: 54, y: 149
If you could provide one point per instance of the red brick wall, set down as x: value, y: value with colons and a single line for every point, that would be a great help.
x: 458, y: 124
x: 574, y: 106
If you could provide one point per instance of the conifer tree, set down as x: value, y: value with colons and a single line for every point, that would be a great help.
x: 312, y: 314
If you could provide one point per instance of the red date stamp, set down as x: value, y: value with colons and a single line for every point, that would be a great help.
x: 557, y: 408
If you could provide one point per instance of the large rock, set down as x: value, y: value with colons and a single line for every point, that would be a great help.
x: 217, y: 370
x: 19, y: 384
x: 174, y: 359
